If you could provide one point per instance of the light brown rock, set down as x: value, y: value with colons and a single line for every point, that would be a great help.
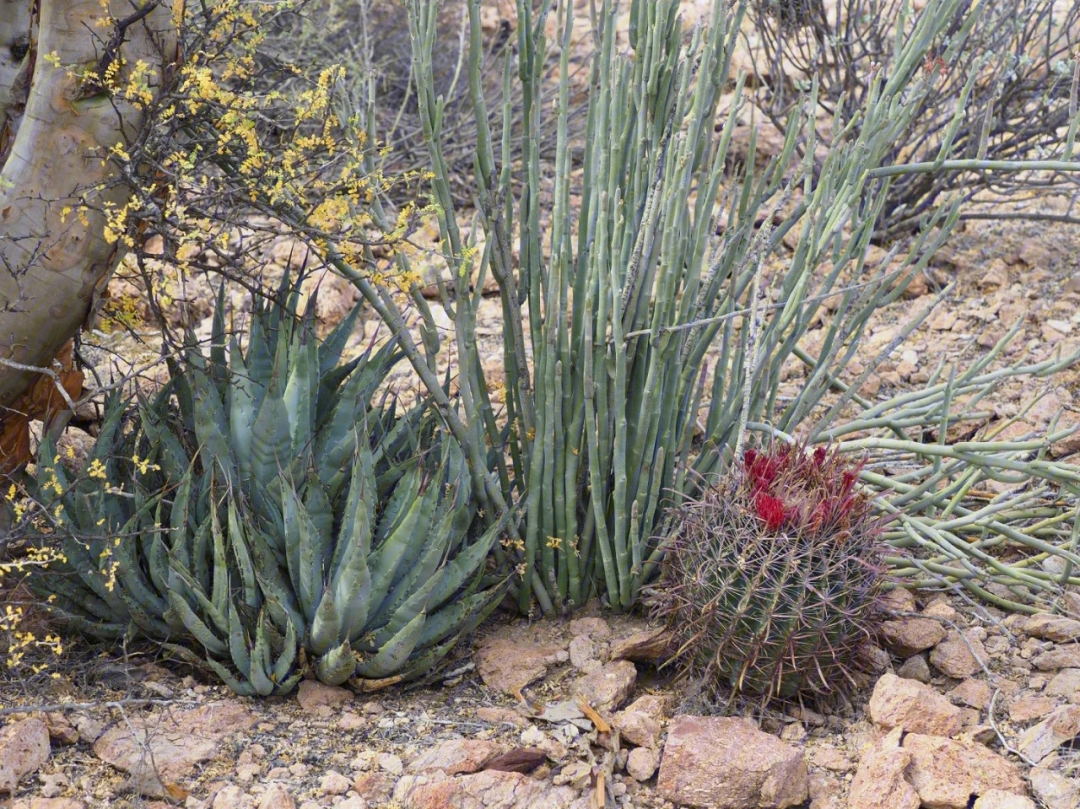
x: 637, y: 727
x: 48, y: 803
x: 644, y: 646
x: 1024, y: 709
x: 374, y: 787
x: 1061, y: 657
x: 390, y: 762
x: 1065, y: 683
x: 652, y: 705
x: 608, y: 688
x: 996, y: 799
x: 825, y: 791
x: 940, y: 609
x: 483, y: 790
x: 641, y: 764
x: 908, y: 636
x: 501, y: 716
x: 582, y: 651
x: 24, y: 749
x: 1053, y: 789
x: 1047, y: 626
x: 457, y: 756
x: 898, y: 600
x: 53, y: 784
x: 879, y: 781
x: 728, y: 763
x: 231, y: 796
x: 915, y: 668
x: 334, y: 783
x: 312, y: 694
x: 946, y: 773
x: 508, y: 664
x: 900, y: 703
x: 596, y: 628
x: 829, y: 758
x: 276, y: 796
x: 60, y: 728
x: 165, y: 747
x: 352, y: 802
x: 953, y: 656
x: 973, y: 693
x: 1039, y: 741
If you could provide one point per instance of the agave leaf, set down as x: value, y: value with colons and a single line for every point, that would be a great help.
x: 184, y: 585
x: 86, y: 567
x: 239, y: 543
x: 393, y: 655
x: 336, y: 666
x: 467, y: 563
x: 423, y: 572
x: 335, y: 445
x: 260, y: 661
x: 280, y: 601
x: 286, y: 686
x: 415, y: 604
x: 241, y: 395
x: 405, y: 496
x: 211, y: 426
x: 172, y: 456
x: 422, y: 663
x: 404, y: 543
x: 331, y: 381
x: 195, y: 625
x: 319, y: 510
x: 239, y: 687
x: 238, y: 643
x: 178, y: 520
x: 185, y: 399
x: 107, y: 630
x: 271, y: 439
x: 358, y: 510
x: 74, y: 597
x: 287, y: 658
x: 218, y: 370
x: 305, y: 553
x: 453, y: 617
x: 221, y: 594
x: 157, y: 555
x: 350, y: 577
x: 259, y: 359
x: 326, y: 626
x: 332, y: 346
x: 298, y: 391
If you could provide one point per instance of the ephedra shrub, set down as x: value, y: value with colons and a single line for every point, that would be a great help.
x: 773, y: 574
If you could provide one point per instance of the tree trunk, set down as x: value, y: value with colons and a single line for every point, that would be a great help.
x: 59, y: 122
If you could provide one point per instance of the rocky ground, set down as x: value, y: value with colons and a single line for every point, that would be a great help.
x: 967, y: 706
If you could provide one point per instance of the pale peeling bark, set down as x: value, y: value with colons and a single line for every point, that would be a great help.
x: 52, y: 262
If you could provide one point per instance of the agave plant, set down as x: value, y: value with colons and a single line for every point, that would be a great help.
x: 281, y: 521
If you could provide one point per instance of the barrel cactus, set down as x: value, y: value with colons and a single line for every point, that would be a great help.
x: 274, y: 517
x: 771, y: 578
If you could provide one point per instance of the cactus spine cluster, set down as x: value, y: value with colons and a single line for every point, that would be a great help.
x: 772, y: 576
